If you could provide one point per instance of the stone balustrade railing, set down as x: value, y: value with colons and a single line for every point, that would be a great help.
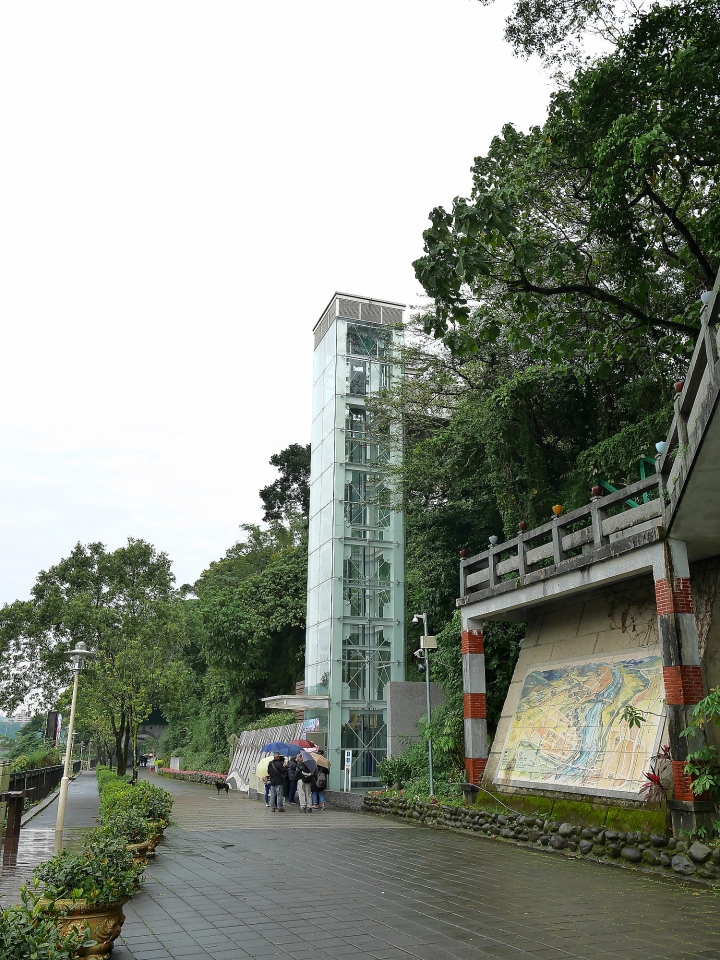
x: 621, y: 521
x: 572, y: 540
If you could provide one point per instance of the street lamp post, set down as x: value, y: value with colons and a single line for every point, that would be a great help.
x: 427, y: 643
x: 78, y: 655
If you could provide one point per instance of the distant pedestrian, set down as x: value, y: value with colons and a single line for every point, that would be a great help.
x: 276, y: 776
x: 319, y: 785
x: 292, y: 776
x: 304, y: 786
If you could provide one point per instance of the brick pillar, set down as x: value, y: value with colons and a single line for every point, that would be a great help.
x: 474, y: 704
x: 682, y: 677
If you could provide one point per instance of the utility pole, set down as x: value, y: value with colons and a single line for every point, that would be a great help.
x: 427, y: 644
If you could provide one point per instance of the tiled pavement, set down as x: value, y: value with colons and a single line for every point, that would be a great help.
x: 232, y: 881
x: 37, y: 838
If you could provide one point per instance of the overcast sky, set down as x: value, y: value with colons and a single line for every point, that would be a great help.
x: 182, y: 188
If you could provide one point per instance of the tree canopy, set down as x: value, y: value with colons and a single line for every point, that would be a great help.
x: 589, y: 239
x: 123, y: 605
x: 290, y: 493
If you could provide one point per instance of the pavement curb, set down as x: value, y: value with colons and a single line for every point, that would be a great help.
x: 43, y: 805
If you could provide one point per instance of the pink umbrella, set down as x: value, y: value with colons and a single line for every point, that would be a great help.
x: 305, y: 744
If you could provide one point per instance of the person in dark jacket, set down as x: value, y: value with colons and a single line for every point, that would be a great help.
x: 276, y: 776
x: 292, y: 776
x: 304, y: 782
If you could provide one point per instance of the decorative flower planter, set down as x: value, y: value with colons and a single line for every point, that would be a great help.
x: 140, y: 851
x: 104, y: 920
x: 157, y: 826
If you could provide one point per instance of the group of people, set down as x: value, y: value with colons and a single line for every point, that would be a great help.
x: 293, y: 779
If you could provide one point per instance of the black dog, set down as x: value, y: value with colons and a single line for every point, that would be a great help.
x: 221, y: 785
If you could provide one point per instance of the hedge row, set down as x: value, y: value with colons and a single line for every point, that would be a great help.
x: 191, y: 776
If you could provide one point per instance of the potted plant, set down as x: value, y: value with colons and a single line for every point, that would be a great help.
x: 27, y: 930
x: 89, y: 887
x: 131, y: 828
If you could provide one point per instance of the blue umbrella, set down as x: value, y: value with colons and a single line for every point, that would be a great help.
x: 279, y: 747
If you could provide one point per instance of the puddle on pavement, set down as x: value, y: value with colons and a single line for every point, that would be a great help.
x: 19, y: 858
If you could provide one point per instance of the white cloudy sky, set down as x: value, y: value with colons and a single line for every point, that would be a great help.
x: 182, y: 188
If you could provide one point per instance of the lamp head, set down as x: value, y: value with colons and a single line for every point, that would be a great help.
x: 79, y: 656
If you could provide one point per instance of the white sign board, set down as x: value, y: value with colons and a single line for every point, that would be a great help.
x: 347, y: 771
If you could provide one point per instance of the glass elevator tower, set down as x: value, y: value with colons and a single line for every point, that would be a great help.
x: 356, y: 570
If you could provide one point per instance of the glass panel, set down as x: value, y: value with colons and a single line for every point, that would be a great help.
x: 311, y: 644
x: 328, y: 384
x: 325, y: 600
x: 317, y: 677
x: 326, y: 515
x: 328, y: 418
x: 316, y: 434
x: 314, y: 497
x: 379, y: 377
x: 365, y: 733
x: 317, y: 403
x: 367, y: 341
x: 318, y: 361
x: 313, y: 562
x: 323, y: 641
x: 325, y: 562
x: 327, y: 452
x: 313, y: 533
x: 367, y: 602
x: 358, y: 446
x: 312, y: 606
x: 326, y: 487
x: 358, y: 378
x: 366, y: 565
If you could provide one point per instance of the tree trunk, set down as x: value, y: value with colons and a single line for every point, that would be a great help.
x: 134, y: 750
x: 127, y: 743
x: 120, y: 751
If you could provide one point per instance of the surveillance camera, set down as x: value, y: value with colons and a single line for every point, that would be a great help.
x: 416, y: 619
x: 418, y: 653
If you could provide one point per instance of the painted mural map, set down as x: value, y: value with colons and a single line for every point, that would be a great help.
x: 567, y: 732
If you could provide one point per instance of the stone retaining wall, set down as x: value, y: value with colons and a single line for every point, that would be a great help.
x: 658, y: 853
x: 348, y: 801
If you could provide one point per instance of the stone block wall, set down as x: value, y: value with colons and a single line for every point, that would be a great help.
x: 406, y: 703
x: 656, y: 852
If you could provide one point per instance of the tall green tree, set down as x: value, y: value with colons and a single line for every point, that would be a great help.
x: 252, y: 603
x: 589, y: 240
x: 123, y: 605
x: 290, y: 493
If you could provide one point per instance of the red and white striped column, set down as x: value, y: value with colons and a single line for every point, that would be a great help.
x: 474, y: 704
x: 682, y: 676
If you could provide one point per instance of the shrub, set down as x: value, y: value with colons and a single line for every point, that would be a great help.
x: 102, y: 872
x: 127, y: 826
x: 43, y: 757
x: 28, y: 931
x: 118, y: 796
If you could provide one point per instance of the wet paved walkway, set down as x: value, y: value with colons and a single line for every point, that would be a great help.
x: 232, y: 880
x: 37, y: 838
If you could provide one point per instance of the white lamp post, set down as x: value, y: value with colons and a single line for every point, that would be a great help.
x: 78, y: 655
x: 426, y: 644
